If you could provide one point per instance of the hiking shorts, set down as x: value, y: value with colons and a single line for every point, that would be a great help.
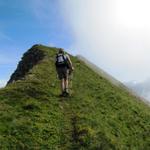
x: 62, y: 72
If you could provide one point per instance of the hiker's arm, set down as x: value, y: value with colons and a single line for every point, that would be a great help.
x: 70, y: 62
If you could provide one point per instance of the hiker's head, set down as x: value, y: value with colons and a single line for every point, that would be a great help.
x: 61, y: 51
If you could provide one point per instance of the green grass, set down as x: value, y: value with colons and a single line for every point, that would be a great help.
x: 98, y: 116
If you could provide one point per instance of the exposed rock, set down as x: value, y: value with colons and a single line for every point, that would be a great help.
x: 28, y: 61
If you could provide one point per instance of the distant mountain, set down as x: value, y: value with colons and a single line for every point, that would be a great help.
x: 101, y: 114
x: 141, y: 88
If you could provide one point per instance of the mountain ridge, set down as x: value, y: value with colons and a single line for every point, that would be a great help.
x: 99, y: 115
x: 113, y: 80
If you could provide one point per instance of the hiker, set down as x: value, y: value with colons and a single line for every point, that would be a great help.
x: 64, y: 68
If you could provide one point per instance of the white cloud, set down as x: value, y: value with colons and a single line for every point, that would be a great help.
x: 113, y: 34
x: 3, y: 83
x: 142, y: 88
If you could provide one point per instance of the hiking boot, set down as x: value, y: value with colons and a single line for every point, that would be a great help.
x: 61, y: 95
x: 66, y: 94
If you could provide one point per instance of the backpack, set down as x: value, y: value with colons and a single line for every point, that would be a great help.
x: 61, y: 61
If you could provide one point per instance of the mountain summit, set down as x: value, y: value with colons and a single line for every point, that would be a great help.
x: 98, y: 116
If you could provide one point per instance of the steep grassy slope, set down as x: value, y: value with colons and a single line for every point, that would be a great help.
x: 98, y: 116
x: 111, y: 79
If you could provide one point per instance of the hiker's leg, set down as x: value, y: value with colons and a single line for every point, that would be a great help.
x: 62, y: 85
x: 67, y: 81
x: 66, y: 84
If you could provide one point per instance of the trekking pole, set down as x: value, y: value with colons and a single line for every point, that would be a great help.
x: 70, y: 82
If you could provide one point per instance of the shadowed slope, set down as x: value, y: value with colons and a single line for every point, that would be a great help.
x: 99, y: 115
x: 29, y: 60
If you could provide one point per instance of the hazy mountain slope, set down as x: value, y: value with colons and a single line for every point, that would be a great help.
x: 99, y: 115
x: 142, y: 88
x: 140, y: 91
x: 100, y: 71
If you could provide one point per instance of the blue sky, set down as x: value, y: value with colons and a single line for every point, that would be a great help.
x: 23, y: 24
x: 103, y: 31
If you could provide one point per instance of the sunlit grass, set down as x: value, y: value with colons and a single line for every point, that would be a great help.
x: 98, y: 115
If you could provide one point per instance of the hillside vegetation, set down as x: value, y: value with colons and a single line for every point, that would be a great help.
x: 98, y: 115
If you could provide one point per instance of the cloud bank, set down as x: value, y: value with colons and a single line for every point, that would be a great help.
x: 141, y: 88
x: 112, y: 34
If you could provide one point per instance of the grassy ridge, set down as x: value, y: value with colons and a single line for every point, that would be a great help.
x: 99, y: 115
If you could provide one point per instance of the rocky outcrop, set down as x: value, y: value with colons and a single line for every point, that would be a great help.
x: 31, y: 58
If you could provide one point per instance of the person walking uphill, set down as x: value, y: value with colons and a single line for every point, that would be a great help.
x: 64, y: 67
